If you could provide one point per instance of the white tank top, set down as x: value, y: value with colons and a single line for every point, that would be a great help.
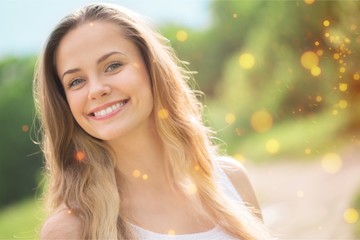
x: 215, y: 233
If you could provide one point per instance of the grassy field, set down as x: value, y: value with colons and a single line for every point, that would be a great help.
x: 21, y: 220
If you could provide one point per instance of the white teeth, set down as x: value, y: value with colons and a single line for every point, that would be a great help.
x: 109, y: 109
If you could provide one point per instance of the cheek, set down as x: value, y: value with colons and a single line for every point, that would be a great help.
x: 76, y: 105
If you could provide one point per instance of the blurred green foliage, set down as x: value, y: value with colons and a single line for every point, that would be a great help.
x: 19, y: 157
x: 309, y: 113
x: 22, y: 220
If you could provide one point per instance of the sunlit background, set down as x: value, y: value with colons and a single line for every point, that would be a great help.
x: 282, y: 92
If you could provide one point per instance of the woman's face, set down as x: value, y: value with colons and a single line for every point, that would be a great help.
x: 106, y: 82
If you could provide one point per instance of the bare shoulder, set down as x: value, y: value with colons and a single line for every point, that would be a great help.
x: 62, y: 225
x: 240, y: 179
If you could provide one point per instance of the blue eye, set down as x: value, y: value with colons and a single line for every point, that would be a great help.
x: 113, y: 66
x: 75, y: 82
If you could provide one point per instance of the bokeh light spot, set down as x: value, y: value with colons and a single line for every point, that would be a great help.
x: 317, y: 43
x: 327, y: 34
x: 230, y: 118
x: 25, y: 128
x: 318, y: 98
x: 240, y: 158
x: 342, y: 69
x: 343, y: 104
x: 261, y: 121
x: 247, y: 60
x: 309, y: 60
x: 335, y: 112
x: 145, y: 176
x: 79, y: 156
x: 336, y: 56
x: 351, y: 215
x: 320, y: 52
x: 272, y: 146
x: 136, y: 173
x: 197, y: 168
x: 331, y: 162
x: 307, y: 151
x: 326, y: 23
x: 315, y: 71
x: 171, y: 232
x: 300, y: 194
x: 163, y: 113
x: 343, y: 87
x: 181, y: 36
x: 235, y: 15
x: 191, y: 188
x: 309, y: 2
x: 356, y: 76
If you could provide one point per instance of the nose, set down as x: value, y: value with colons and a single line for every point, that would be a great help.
x: 98, y: 90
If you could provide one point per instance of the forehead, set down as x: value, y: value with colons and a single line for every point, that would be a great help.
x: 92, y: 40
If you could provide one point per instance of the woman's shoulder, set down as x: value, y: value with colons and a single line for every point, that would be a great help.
x: 239, y: 178
x: 63, y: 224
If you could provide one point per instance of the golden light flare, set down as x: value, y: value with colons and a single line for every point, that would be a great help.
x: 326, y: 23
x: 25, y: 128
x: 342, y: 69
x: 356, y: 76
x: 320, y: 52
x: 79, y: 156
x: 331, y: 162
x: 327, y: 34
x: 261, y: 121
x: 309, y: 60
x: 300, y: 194
x: 319, y: 98
x: 163, y: 113
x: 343, y: 87
x: 197, y: 168
x: 315, y: 71
x: 351, y: 215
x: 181, y: 35
x: 353, y: 27
x: 343, y: 104
x: 239, y: 157
x: 171, y: 232
x: 136, y: 65
x: 336, y: 56
x: 136, y: 173
x: 230, y: 118
x: 145, y: 176
x: 317, y: 43
x: 272, y: 146
x: 309, y: 2
x: 247, y: 60
x: 191, y: 189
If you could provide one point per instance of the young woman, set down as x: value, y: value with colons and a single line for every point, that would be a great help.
x: 127, y: 154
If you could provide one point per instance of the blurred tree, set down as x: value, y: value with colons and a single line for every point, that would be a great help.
x: 19, y: 157
x: 288, y: 64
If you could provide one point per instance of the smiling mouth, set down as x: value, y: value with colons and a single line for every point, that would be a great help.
x: 109, y: 109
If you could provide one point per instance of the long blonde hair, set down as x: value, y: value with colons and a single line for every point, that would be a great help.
x: 88, y: 185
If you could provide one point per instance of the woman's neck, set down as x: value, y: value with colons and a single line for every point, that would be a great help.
x: 140, y: 157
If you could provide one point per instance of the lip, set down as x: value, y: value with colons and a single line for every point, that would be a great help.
x: 122, y: 102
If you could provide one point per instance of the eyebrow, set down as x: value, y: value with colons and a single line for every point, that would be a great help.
x: 101, y: 59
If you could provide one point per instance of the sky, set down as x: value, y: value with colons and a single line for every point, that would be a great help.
x: 25, y: 24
